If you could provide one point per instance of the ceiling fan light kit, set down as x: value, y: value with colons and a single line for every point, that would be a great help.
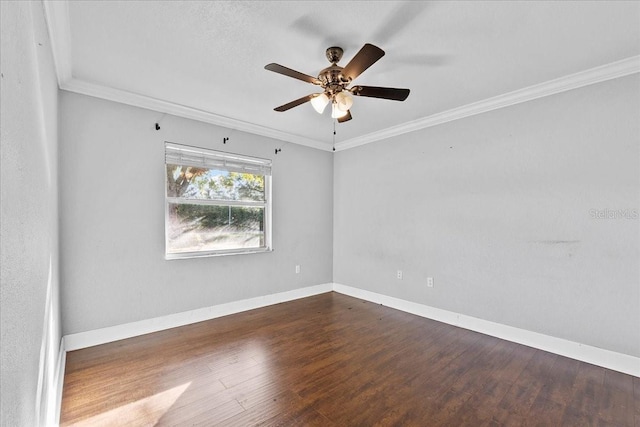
x: 319, y: 102
x: 335, y: 81
x: 343, y: 100
x: 336, y: 112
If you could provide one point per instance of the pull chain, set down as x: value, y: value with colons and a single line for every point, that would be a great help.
x: 334, y: 135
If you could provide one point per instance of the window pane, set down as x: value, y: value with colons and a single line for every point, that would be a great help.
x: 190, y: 182
x: 193, y: 228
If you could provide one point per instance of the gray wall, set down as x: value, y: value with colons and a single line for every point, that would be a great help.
x: 29, y: 313
x: 112, y: 218
x: 497, y: 208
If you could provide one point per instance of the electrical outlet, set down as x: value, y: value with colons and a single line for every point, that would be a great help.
x: 429, y: 282
x: 399, y: 274
x: 297, y: 269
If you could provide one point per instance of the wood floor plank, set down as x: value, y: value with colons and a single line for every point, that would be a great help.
x: 618, y: 399
x: 483, y: 383
x: 559, y: 387
x: 525, y: 389
x: 636, y: 400
x: 332, y: 360
x: 200, y: 414
x: 583, y: 405
x: 483, y: 366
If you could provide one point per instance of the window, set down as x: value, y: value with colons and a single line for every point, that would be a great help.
x: 216, y: 203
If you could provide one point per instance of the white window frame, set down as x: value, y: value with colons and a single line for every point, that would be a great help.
x: 205, y: 158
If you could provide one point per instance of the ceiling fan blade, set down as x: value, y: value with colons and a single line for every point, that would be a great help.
x: 381, y: 92
x: 295, y: 103
x: 345, y: 118
x: 280, y: 69
x: 366, y: 57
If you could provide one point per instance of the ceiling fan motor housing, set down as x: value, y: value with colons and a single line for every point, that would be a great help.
x: 331, y: 77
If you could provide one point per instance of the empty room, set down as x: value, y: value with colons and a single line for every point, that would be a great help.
x: 344, y: 213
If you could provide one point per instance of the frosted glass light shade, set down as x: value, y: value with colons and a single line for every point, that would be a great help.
x: 344, y: 101
x: 336, y: 112
x: 319, y: 102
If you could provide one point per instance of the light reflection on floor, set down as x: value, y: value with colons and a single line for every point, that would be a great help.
x: 220, y: 385
x: 152, y: 408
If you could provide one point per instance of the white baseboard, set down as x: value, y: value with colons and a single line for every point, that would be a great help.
x: 594, y: 355
x: 133, y: 329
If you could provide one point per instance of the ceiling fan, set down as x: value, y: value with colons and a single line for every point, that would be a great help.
x: 335, y: 81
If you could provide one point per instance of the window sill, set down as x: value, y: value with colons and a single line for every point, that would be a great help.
x: 203, y: 254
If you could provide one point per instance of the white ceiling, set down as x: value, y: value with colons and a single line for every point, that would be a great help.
x: 205, y: 59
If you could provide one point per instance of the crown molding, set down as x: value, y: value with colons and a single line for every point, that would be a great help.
x: 129, y: 98
x: 57, y: 16
x: 58, y: 22
x: 599, y: 74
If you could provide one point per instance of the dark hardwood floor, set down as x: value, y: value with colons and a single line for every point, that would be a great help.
x: 332, y: 360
